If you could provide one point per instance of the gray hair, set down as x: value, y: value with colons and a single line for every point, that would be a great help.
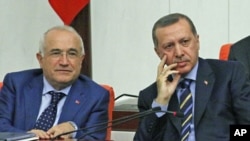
x: 60, y: 27
x: 169, y: 20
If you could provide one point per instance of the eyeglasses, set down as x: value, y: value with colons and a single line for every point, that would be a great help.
x: 72, y: 53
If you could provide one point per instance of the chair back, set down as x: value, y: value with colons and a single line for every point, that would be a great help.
x: 1, y: 85
x: 224, y: 51
x: 110, y: 108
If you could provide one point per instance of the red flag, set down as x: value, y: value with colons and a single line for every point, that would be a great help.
x: 68, y: 9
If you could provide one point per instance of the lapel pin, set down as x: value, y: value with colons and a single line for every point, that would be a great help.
x: 77, y: 102
x: 205, y: 82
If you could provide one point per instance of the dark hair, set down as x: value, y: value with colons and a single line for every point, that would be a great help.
x: 169, y: 20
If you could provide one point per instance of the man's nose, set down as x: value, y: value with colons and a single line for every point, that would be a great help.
x: 178, y: 50
x: 64, y: 58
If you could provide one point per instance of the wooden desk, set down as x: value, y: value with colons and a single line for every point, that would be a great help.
x: 123, y: 111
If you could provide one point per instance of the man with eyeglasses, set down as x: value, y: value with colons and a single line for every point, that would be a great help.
x: 28, y: 97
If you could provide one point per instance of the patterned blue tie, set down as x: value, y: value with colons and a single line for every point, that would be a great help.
x: 48, y: 116
x: 186, y: 106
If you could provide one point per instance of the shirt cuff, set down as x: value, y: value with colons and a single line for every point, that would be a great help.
x: 163, y: 108
x: 75, y: 128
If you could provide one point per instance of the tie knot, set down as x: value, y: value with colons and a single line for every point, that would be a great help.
x: 56, y: 96
x: 185, y: 83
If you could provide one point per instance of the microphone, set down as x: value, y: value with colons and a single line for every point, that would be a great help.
x: 120, y: 121
x: 174, y: 113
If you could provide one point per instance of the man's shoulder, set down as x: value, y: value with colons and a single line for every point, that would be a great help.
x: 243, y: 43
x: 89, y: 83
x: 26, y: 72
x: 222, y: 63
x: 152, y: 86
x: 85, y: 79
x: 223, y: 66
x: 150, y: 90
x: 23, y: 78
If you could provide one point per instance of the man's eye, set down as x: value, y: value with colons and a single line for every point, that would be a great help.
x: 72, y: 53
x: 55, y: 53
x: 168, y: 46
x: 185, y: 42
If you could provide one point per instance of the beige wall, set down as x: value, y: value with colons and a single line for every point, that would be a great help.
x: 22, y: 24
x: 122, y: 47
x: 123, y: 54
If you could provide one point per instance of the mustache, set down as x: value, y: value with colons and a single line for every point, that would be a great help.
x: 181, y: 59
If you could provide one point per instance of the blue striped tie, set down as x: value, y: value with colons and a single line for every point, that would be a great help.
x: 186, y: 106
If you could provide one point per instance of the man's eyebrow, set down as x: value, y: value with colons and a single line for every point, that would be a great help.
x: 73, y: 49
x: 55, y: 49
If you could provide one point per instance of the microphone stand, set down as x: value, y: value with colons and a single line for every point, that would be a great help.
x: 124, y: 119
x: 119, y: 121
x: 114, y: 122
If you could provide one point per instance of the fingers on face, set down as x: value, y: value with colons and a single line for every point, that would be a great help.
x: 165, y: 71
x: 163, y: 60
x: 169, y: 70
x: 162, y: 64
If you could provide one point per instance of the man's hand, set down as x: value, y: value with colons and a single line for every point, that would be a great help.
x: 61, y: 128
x: 166, y: 88
x: 40, y: 133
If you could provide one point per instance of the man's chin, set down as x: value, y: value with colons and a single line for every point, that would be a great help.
x: 183, y: 71
x: 64, y: 80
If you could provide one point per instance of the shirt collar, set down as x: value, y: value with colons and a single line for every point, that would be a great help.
x: 47, y: 87
x: 192, y: 74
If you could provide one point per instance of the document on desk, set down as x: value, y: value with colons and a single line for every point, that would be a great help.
x: 17, y: 136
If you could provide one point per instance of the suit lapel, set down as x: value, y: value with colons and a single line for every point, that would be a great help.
x: 74, y: 102
x: 32, y: 100
x: 33, y: 96
x: 204, y: 86
x: 174, y: 106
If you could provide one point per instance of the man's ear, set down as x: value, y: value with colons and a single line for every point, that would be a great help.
x: 39, y: 58
x: 157, y: 52
x: 83, y: 56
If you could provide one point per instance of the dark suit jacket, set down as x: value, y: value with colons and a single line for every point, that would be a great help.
x: 240, y: 51
x: 223, y: 100
x: 20, y: 99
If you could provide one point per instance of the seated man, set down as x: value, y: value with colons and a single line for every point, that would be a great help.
x: 240, y: 51
x: 74, y: 101
x: 212, y: 94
